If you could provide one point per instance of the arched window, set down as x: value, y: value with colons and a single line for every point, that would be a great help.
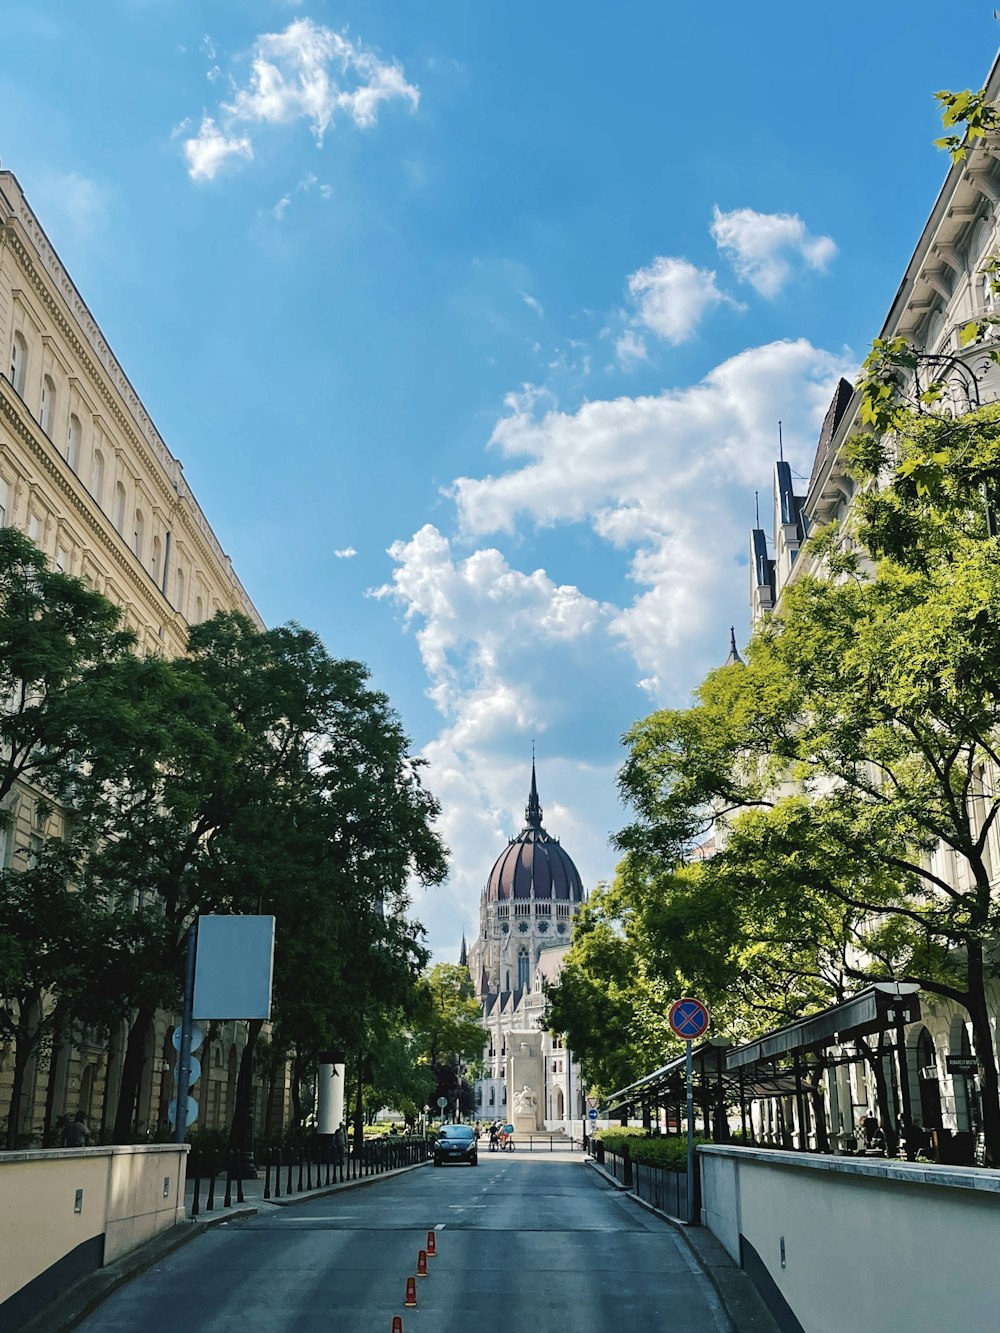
x: 180, y: 591
x: 980, y: 239
x: 139, y: 533
x: 4, y: 502
x: 97, y: 476
x: 73, y: 439
x: 18, y: 363
x: 157, y: 559
x: 935, y: 328
x: 199, y: 611
x: 48, y: 411
x: 118, y: 517
x: 523, y: 969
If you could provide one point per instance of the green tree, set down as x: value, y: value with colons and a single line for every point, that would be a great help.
x: 857, y: 750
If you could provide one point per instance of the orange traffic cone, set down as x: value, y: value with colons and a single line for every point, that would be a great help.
x: 397, y: 1323
x: 432, y: 1248
x: 411, y: 1291
x: 421, y: 1263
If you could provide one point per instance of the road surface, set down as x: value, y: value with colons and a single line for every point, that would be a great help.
x: 527, y: 1243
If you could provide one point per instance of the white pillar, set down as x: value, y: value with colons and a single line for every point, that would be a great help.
x: 330, y: 1087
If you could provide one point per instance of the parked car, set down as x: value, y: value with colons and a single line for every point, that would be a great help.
x: 456, y: 1143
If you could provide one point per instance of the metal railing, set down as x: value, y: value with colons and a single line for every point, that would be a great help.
x: 663, y: 1188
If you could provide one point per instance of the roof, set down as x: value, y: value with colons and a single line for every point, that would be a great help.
x: 534, y: 864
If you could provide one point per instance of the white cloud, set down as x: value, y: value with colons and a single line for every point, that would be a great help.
x: 281, y: 207
x: 766, y: 248
x: 210, y: 147
x: 533, y: 303
x: 665, y: 478
x: 307, y: 72
x: 671, y: 296
x: 630, y: 349
x: 345, y: 553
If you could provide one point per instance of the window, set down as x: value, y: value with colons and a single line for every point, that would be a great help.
x: 18, y: 363
x: 4, y: 502
x: 179, y: 603
x: 138, y: 533
x: 73, y: 442
x: 97, y: 476
x: 35, y: 528
x: 199, y: 611
x: 48, y: 404
x: 119, y: 514
x: 62, y: 560
x: 157, y: 559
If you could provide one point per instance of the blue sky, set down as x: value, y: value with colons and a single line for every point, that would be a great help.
x: 472, y: 323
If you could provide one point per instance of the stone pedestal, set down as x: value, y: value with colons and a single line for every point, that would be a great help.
x: 524, y: 1070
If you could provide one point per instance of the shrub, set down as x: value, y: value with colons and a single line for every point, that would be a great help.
x: 671, y: 1154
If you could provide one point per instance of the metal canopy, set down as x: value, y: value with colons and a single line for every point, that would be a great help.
x: 708, y: 1058
x: 871, y: 1010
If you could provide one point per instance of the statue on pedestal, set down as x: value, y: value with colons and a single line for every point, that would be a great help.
x: 525, y: 1101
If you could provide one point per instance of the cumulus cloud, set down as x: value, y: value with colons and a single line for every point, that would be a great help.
x: 665, y: 478
x: 630, y: 349
x: 345, y: 553
x: 671, y: 296
x: 307, y: 73
x: 766, y: 249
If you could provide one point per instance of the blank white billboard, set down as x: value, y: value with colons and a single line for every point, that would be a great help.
x: 233, y: 967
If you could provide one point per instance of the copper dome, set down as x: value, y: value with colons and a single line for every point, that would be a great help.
x: 534, y: 864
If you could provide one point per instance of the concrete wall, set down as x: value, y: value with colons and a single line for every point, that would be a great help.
x: 64, y: 1213
x: 868, y: 1243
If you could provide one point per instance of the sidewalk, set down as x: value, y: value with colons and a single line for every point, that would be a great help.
x: 740, y: 1299
x: 253, y: 1192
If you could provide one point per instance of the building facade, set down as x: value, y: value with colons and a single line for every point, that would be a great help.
x: 943, y: 288
x: 526, y: 914
x: 87, y: 476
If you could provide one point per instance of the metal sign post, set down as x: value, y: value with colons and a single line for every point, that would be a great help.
x: 688, y: 1020
x: 187, y: 1022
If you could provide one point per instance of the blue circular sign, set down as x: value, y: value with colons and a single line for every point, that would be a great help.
x: 688, y: 1019
x: 592, y: 1114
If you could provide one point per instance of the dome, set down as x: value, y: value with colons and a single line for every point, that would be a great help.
x: 534, y: 865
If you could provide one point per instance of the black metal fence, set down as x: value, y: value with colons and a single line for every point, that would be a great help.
x: 296, y: 1168
x: 659, y: 1186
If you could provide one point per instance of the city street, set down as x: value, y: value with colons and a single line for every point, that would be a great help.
x: 528, y: 1244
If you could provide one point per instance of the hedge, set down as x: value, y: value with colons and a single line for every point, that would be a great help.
x: 669, y: 1153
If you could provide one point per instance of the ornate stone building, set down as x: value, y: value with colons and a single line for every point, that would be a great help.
x: 526, y: 917
x: 85, y: 473
x: 943, y: 287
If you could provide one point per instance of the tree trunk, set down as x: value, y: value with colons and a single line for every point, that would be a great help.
x: 22, y: 1054
x: 131, y: 1073
x: 55, y: 1062
x: 297, y: 1091
x: 241, y: 1130
x: 982, y: 1036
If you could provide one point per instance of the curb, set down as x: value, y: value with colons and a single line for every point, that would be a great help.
x: 84, y: 1296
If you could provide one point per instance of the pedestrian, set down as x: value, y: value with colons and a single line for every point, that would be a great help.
x: 339, y: 1145
x: 75, y: 1132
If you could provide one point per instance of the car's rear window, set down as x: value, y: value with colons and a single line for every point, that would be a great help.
x: 456, y: 1132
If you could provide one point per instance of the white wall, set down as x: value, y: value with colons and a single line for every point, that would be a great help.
x: 869, y: 1243
x: 129, y: 1194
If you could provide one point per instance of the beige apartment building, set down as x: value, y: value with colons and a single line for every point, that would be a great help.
x: 85, y: 473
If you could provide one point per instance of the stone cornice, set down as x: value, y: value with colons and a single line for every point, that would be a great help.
x: 24, y: 236
x: 83, y: 507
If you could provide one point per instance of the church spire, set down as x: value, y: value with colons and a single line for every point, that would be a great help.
x: 533, y: 810
x: 463, y: 957
x: 734, y: 658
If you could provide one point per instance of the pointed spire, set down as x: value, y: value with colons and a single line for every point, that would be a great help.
x: 463, y: 957
x: 734, y: 658
x: 533, y: 810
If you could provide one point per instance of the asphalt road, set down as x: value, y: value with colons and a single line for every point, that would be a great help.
x: 526, y: 1244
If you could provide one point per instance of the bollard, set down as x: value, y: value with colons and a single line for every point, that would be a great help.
x: 196, y: 1165
x: 267, y: 1173
x: 627, y: 1168
x: 411, y: 1291
x: 432, y: 1248
x: 421, y: 1263
x: 227, y: 1198
x: 397, y: 1323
